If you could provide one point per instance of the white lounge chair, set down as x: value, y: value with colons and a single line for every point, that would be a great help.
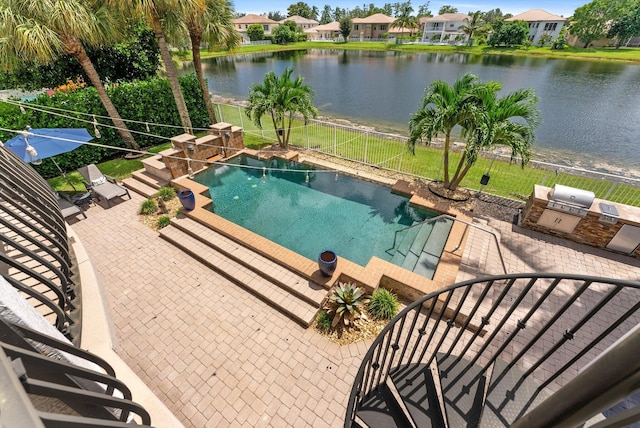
x: 102, y: 186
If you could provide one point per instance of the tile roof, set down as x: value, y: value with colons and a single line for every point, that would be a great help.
x: 254, y: 19
x: 332, y: 26
x: 446, y: 17
x: 378, y: 18
x: 299, y: 20
x: 534, y: 15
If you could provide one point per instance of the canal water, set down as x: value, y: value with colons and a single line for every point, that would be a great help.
x: 590, y: 109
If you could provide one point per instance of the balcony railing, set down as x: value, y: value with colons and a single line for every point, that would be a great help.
x: 490, y: 350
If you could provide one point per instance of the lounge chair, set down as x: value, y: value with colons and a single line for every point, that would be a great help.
x: 102, y: 186
x: 68, y: 208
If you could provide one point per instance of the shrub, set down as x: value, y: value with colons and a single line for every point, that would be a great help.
x: 346, y: 304
x: 166, y: 193
x: 163, y: 221
x: 148, y: 207
x: 383, y: 304
x: 324, y: 321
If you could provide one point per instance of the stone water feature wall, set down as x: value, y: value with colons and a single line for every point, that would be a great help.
x: 190, y: 152
x: 590, y: 229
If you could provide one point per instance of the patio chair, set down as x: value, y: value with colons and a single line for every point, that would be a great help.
x: 102, y: 186
x: 68, y: 208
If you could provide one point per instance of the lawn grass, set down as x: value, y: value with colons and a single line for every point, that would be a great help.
x: 607, y: 54
x: 506, y: 178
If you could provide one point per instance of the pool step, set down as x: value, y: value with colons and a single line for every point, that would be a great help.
x: 292, y: 294
x: 421, y: 248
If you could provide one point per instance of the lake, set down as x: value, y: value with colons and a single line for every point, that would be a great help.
x: 589, y: 109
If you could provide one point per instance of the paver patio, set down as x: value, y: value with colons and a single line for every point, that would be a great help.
x: 217, y: 356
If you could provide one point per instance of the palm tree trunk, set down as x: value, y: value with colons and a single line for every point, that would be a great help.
x: 74, y: 47
x: 275, y: 127
x: 172, y: 76
x: 197, y: 64
x: 454, y: 179
x: 456, y: 182
x: 445, y: 157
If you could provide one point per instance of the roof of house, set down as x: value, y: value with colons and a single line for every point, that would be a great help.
x: 254, y: 19
x: 378, y: 18
x: 445, y: 17
x: 299, y: 20
x: 535, y: 15
x: 332, y: 26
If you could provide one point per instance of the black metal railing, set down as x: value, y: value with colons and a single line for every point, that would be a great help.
x: 36, y: 258
x: 540, y: 328
x: 59, y: 372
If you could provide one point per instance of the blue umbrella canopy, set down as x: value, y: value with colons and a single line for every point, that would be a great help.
x: 47, y: 142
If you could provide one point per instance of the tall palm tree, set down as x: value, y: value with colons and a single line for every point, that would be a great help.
x: 474, y: 23
x: 281, y: 98
x: 42, y: 30
x: 165, y: 17
x: 508, y: 121
x: 443, y: 108
x: 404, y: 18
x: 212, y: 21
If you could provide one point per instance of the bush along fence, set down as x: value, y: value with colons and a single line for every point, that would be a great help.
x: 390, y: 152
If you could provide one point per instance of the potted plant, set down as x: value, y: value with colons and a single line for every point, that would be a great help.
x: 327, y: 262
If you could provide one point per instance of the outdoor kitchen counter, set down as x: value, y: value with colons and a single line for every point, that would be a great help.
x: 626, y: 213
x: 619, y: 233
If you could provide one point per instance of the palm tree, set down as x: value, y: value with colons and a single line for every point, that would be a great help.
x: 443, y: 108
x: 474, y: 23
x: 404, y: 19
x: 212, y: 21
x: 493, y: 124
x: 281, y: 98
x: 42, y: 30
x: 166, y: 19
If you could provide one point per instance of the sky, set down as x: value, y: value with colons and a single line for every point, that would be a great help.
x: 557, y: 7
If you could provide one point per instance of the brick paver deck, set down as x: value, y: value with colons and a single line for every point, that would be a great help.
x: 217, y: 356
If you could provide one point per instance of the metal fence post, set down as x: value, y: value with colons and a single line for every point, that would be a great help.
x: 366, y: 147
x: 220, y: 113
x: 240, y: 116
x: 613, y: 186
x: 335, y: 139
x: 306, y: 128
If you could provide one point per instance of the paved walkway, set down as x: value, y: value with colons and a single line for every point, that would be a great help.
x: 217, y: 356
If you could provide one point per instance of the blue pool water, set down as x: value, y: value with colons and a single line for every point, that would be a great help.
x: 355, y: 218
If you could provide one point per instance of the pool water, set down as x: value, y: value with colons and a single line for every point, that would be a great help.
x: 355, y: 218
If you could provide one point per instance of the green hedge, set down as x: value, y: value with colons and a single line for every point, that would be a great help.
x: 146, y: 101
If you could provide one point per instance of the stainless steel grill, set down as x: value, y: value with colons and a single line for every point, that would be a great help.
x: 570, y: 200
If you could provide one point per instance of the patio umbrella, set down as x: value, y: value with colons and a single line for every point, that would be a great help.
x: 33, y: 145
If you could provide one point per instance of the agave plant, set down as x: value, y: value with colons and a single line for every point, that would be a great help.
x: 346, y: 303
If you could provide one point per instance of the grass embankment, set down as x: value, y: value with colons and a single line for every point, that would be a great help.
x: 507, y: 179
x: 607, y: 54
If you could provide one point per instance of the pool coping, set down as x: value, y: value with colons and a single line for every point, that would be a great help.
x: 377, y: 272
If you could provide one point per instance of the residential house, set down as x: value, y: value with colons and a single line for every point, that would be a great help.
x: 327, y: 32
x: 243, y: 23
x: 301, y: 22
x: 444, y: 28
x: 374, y: 27
x: 541, y: 23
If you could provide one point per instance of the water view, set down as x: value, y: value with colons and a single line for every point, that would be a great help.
x: 588, y: 107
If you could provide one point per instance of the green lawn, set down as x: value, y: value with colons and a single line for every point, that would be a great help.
x: 506, y: 179
x: 609, y: 54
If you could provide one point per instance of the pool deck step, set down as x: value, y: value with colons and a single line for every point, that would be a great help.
x: 292, y: 294
x: 139, y: 187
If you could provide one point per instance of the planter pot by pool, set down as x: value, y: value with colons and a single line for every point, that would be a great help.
x: 187, y: 199
x: 327, y: 262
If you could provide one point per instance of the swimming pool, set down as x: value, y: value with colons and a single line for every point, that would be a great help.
x: 355, y: 218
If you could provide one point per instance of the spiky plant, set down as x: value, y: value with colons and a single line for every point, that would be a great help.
x: 149, y: 207
x: 166, y: 193
x: 383, y: 304
x: 346, y: 303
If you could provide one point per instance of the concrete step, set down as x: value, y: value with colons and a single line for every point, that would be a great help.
x: 270, y: 292
x: 139, y: 187
x: 303, y: 288
x: 150, y: 179
x: 154, y: 165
